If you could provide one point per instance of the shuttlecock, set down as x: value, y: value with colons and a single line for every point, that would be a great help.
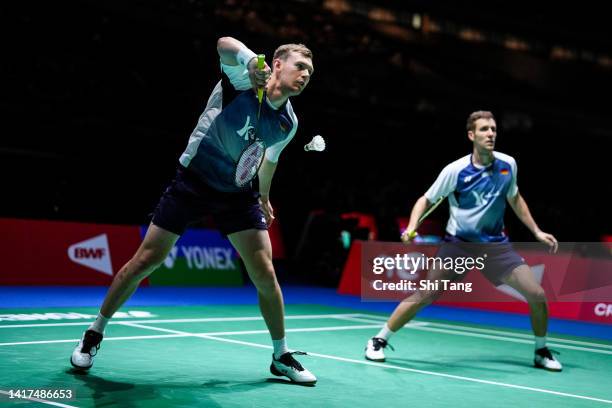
x: 317, y: 144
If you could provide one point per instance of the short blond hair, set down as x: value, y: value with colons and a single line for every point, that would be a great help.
x: 284, y: 50
x: 474, y: 116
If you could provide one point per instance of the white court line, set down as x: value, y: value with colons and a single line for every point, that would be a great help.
x: 384, y: 365
x: 23, y: 343
x: 224, y: 333
x: 509, y: 339
x: 378, y: 322
x: 489, y: 331
x: 523, y: 335
x: 356, y: 317
x: 427, y: 327
x: 42, y: 401
x: 194, y: 320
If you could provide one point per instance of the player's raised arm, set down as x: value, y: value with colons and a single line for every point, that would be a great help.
x: 234, y: 52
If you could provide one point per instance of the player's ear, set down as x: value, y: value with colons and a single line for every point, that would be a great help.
x: 470, y: 135
x: 277, y: 63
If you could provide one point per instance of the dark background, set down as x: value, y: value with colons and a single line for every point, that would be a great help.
x: 98, y: 100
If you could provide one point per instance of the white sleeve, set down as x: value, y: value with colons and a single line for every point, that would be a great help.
x: 513, y: 189
x: 238, y: 76
x: 273, y: 152
x: 444, y: 184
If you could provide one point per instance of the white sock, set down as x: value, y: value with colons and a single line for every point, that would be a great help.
x: 280, y: 347
x: 100, y: 324
x: 385, y: 333
x: 540, y: 342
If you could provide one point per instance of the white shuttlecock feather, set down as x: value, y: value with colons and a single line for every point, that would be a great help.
x: 317, y: 144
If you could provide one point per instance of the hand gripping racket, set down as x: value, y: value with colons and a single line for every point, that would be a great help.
x: 412, y: 234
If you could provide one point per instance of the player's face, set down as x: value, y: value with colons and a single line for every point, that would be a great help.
x: 484, y: 134
x: 295, y: 73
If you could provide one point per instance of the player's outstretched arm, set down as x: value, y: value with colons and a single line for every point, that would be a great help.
x: 520, y: 208
x: 419, y: 208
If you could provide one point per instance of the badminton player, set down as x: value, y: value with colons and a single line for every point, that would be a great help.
x: 226, y: 171
x: 478, y: 186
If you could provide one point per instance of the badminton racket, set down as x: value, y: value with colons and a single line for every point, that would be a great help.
x: 412, y: 234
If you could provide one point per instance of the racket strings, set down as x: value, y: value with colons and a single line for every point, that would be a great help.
x: 248, y: 163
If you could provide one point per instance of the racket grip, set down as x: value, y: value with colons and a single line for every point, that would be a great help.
x: 261, y: 60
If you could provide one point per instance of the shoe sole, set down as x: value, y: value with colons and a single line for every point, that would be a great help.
x: 554, y: 370
x: 376, y: 360
x: 277, y: 373
x: 79, y: 367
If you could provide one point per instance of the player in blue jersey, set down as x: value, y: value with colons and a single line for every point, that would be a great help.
x: 226, y: 171
x: 478, y: 187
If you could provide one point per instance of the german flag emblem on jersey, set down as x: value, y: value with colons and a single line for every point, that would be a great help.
x: 504, y: 172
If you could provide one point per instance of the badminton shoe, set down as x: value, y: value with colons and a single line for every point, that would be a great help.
x: 289, y: 367
x: 544, y: 359
x: 375, y: 349
x: 83, y: 354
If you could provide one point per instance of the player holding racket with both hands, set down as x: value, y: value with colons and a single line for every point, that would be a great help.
x: 239, y: 137
x: 477, y: 186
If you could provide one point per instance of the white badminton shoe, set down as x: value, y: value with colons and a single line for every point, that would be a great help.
x: 83, y: 354
x: 289, y: 367
x: 544, y: 358
x: 375, y: 349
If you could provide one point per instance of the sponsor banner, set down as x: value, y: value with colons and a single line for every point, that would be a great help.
x: 63, y: 253
x: 200, y: 257
x: 596, y: 311
x: 577, y: 280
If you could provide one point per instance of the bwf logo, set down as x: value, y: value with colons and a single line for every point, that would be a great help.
x: 92, y: 253
x: 95, y: 253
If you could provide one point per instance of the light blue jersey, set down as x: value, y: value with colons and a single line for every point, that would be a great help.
x: 228, y: 129
x: 477, y: 197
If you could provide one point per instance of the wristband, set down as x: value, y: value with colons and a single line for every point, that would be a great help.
x: 244, y: 56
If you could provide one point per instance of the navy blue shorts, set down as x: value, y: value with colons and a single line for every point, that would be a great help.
x: 189, y: 199
x: 501, y: 259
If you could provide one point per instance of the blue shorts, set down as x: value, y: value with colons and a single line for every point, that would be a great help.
x: 189, y: 199
x: 501, y: 259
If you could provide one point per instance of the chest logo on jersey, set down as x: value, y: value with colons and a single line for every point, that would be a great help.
x: 483, y: 198
x: 247, y: 131
x: 504, y: 172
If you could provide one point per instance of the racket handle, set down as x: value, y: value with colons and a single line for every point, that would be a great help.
x: 408, y: 236
x: 261, y: 60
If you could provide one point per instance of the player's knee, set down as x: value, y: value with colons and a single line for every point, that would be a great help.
x: 263, y: 277
x: 536, y: 295
x: 429, y: 296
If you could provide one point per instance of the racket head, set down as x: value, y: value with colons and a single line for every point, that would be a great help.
x: 248, y: 163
